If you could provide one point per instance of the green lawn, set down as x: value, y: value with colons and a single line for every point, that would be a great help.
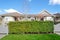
x: 31, y: 37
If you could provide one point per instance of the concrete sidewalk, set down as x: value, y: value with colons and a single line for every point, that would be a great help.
x: 2, y: 35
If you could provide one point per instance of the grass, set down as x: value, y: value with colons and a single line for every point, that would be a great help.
x: 31, y: 37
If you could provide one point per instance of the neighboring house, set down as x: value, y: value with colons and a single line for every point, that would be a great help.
x: 57, y: 17
x: 42, y: 16
x: 45, y: 16
x: 10, y: 17
x: 28, y: 17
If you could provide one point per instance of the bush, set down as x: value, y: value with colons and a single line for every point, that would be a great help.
x: 30, y: 26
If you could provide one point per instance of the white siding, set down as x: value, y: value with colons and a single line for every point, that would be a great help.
x: 48, y: 18
x: 27, y: 19
x: 7, y: 19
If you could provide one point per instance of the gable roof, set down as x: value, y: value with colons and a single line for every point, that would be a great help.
x: 11, y: 14
x: 44, y: 13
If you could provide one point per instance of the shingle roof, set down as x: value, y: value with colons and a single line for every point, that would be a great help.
x: 11, y: 14
x: 29, y: 15
x: 44, y: 13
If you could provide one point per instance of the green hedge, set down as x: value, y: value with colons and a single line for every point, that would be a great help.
x: 30, y: 26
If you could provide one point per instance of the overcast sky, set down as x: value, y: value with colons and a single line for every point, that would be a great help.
x: 33, y: 6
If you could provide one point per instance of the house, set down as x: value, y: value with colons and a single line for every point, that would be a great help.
x: 45, y: 16
x: 57, y: 17
x: 27, y: 17
x: 14, y: 16
x: 10, y: 17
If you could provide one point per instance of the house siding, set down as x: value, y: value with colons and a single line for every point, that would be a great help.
x: 8, y: 19
x: 48, y: 19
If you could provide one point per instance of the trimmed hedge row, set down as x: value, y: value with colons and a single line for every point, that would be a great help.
x: 30, y: 26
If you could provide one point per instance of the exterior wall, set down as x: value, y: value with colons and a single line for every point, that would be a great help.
x: 38, y: 19
x: 32, y: 18
x: 57, y: 20
x: 28, y: 19
x: 7, y: 19
x: 48, y: 19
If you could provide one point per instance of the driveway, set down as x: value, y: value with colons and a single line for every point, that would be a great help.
x: 57, y: 28
x: 3, y: 30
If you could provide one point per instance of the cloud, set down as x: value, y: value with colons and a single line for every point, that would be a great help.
x: 54, y: 2
x: 10, y: 10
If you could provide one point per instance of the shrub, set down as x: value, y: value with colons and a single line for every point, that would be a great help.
x: 30, y: 26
